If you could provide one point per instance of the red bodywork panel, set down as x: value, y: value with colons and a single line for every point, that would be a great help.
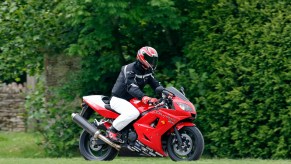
x: 166, y: 119
x: 140, y: 105
x: 183, y: 124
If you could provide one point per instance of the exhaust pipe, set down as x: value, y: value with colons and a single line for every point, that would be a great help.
x: 93, y: 130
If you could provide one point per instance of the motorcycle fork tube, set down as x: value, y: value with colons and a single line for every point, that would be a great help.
x: 178, y: 136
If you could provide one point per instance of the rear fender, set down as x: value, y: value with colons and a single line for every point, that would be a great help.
x: 86, y: 111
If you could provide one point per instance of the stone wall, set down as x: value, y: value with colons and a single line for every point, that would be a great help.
x: 12, y: 111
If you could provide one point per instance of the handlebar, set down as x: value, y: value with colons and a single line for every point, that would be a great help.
x: 161, y: 103
x: 166, y: 99
x: 166, y: 93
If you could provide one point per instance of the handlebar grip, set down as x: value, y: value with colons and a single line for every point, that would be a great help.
x: 167, y: 94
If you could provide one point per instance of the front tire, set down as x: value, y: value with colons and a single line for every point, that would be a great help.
x: 192, y: 145
x: 92, y: 151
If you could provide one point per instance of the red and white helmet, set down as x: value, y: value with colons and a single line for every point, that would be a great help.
x: 148, y: 57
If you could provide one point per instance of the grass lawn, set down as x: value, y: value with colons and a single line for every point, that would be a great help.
x: 21, y: 148
x: 20, y: 144
x: 134, y: 160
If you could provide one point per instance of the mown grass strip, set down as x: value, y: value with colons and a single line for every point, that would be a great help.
x: 136, y: 160
x: 20, y: 144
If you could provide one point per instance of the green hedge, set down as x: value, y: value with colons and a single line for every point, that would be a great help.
x: 239, y: 77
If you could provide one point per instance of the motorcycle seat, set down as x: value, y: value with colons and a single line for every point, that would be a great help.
x: 107, y: 106
x: 105, y: 99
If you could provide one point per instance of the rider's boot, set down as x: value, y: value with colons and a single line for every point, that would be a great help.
x: 113, y: 134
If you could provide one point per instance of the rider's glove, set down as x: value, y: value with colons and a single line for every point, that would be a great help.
x: 149, y: 100
x: 170, y: 95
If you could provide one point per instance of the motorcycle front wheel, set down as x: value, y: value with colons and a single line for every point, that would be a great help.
x: 94, y: 149
x: 191, y: 148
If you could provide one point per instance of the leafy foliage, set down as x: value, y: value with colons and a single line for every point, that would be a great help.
x: 102, y: 32
x: 28, y: 30
x: 241, y: 60
x: 232, y: 57
x: 50, y: 121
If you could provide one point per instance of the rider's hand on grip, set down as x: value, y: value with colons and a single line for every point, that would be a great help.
x: 167, y: 94
x: 149, y: 100
x: 170, y: 95
x: 153, y: 101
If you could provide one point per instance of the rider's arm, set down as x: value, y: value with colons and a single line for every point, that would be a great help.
x: 132, y: 87
x: 155, y: 85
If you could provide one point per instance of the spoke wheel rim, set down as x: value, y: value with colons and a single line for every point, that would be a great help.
x: 185, y: 148
x: 188, y: 140
x: 96, y: 150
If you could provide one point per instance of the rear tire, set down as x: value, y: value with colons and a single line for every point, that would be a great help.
x: 192, y: 145
x: 90, y: 151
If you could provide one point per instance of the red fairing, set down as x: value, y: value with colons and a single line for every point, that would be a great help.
x: 166, y: 119
x: 183, y: 124
x: 138, y: 104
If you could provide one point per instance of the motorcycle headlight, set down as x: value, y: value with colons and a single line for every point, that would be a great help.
x: 185, y: 107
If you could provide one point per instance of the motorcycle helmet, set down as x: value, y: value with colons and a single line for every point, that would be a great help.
x: 148, y: 57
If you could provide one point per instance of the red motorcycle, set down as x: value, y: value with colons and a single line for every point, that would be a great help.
x: 165, y: 129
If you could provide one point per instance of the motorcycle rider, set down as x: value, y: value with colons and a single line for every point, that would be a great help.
x: 129, y: 84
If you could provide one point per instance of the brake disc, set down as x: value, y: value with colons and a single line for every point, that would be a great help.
x: 93, y: 144
x: 186, y: 147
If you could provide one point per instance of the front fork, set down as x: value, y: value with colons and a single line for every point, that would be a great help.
x: 178, y: 127
x: 178, y: 137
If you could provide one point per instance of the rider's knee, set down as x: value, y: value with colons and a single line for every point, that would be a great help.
x: 134, y: 115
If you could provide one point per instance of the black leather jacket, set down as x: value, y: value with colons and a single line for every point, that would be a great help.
x: 131, y: 81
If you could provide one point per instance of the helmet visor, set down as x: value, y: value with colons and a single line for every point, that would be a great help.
x: 153, y: 61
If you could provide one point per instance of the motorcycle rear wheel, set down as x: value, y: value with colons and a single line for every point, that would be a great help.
x: 192, y: 145
x: 89, y: 151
